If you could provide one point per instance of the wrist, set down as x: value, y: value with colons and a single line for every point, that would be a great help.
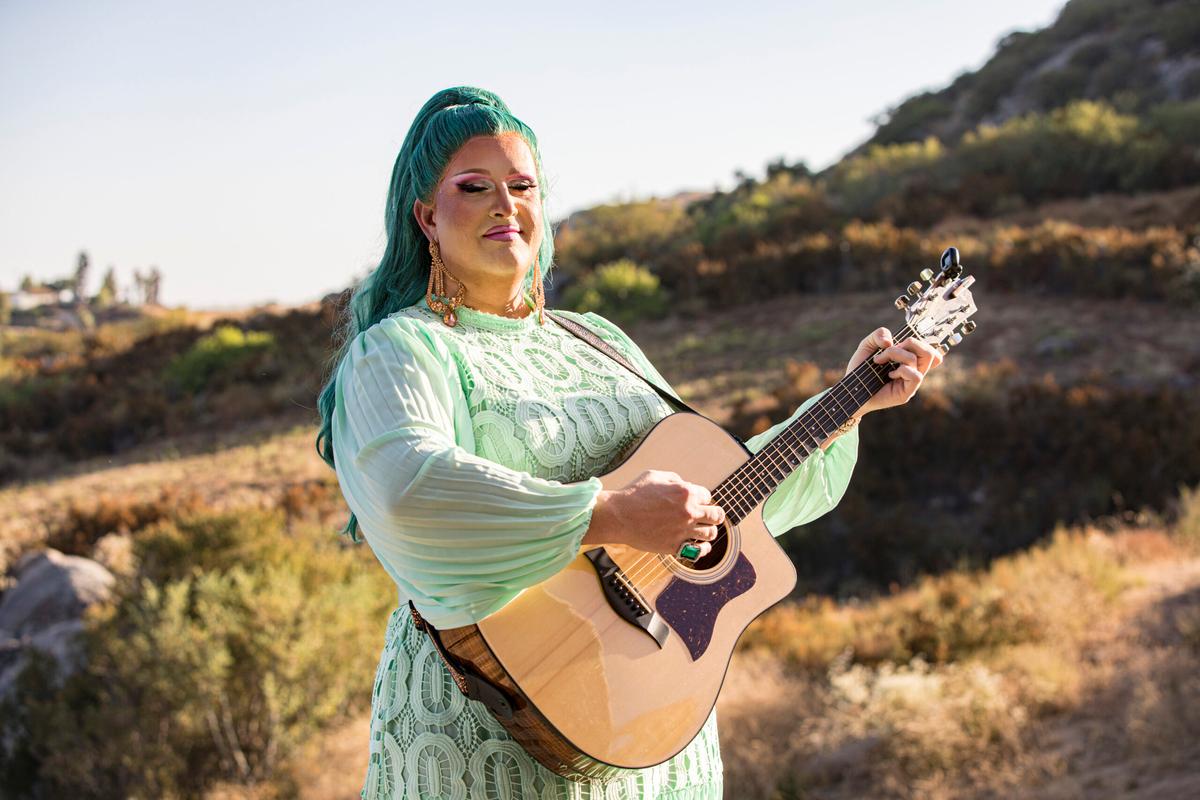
x: 601, y: 525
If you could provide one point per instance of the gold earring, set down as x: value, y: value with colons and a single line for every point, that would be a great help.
x: 435, y: 294
x: 539, y: 291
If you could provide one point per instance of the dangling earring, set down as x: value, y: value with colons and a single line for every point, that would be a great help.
x: 539, y: 291
x: 435, y: 294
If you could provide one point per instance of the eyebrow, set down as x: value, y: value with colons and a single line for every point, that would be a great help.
x: 485, y: 172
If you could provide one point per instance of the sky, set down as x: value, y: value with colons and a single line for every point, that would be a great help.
x: 245, y: 148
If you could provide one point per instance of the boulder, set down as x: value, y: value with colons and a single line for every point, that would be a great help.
x: 44, y: 608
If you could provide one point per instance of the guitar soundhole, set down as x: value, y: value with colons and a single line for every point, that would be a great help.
x: 720, y: 547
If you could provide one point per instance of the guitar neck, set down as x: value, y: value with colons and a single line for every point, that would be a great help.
x: 752, y: 482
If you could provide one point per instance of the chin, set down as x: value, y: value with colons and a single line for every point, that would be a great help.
x: 510, y: 260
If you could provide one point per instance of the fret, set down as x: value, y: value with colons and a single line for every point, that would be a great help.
x: 766, y: 470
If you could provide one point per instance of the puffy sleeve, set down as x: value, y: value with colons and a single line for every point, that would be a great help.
x: 810, y: 491
x: 461, y: 535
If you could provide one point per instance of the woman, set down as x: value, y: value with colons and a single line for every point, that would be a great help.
x: 466, y: 429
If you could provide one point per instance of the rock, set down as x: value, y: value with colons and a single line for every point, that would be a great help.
x: 51, y: 587
x: 43, y: 610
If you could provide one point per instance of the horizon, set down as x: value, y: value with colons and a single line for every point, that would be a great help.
x: 203, y: 147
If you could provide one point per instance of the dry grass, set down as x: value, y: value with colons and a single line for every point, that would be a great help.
x: 718, y: 358
x: 952, y: 616
x: 1104, y: 701
x: 274, y: 471
x: 1108, y: 706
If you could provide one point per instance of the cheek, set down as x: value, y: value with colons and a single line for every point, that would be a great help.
x: 456, y: 219
x: 534, y: 225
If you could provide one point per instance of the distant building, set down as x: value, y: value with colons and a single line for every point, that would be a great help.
x: 24, y: 300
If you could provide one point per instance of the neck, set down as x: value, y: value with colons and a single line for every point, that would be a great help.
x: 753, y: 481
x: 503, y: 300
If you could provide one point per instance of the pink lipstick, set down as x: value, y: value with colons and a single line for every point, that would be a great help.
x: 503, y: 233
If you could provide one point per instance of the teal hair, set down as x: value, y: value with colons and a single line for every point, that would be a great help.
x: 442, y: 126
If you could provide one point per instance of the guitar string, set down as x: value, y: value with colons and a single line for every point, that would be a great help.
x: 651, y: 566
x: 737, y: 486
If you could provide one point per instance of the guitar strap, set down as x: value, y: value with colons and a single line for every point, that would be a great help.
x: 468, y: 681
x: 583, y: 332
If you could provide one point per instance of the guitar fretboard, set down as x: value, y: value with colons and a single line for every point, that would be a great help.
x: 752, y: 482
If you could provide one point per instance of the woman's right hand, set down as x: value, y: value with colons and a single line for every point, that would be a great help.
x: 656, y: 512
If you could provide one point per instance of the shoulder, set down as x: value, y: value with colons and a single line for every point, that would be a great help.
x: 406, y: 335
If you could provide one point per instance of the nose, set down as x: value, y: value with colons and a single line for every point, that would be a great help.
x: 504, y: 206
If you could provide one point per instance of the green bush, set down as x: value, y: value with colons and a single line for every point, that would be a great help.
x: 620, y: 290
x: 66, y: 399
x: 233, y: 644
x: 861, y: 182
x: 912, y: 118
x: 221, y: 350
x: 637, y: 230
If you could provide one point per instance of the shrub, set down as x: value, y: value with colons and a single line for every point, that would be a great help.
x: 861, y: 182
x: 87, y: 521
x: 65, y: 401
x: 637, y: 230
x: 1013, y: 460
x: 221, y: 350
x: 1052, y: 590
x: 620, y: 290
x: 228, y: 648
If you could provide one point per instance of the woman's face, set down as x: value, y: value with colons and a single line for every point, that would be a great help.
x: 486, y: 214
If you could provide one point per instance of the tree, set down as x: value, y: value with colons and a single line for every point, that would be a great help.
x: 81, y: 273
x: 108, y: 289
x: 27, y: 283
x: 153, y: 284
x: 5, y: 308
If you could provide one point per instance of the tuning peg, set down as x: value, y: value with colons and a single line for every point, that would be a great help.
x: 902, y: 302
x: 954, y: 338
x: 926, y: 274
x: 951, y: 265
x: 914, y: 288
x: 969, y: 327
x: 941, y: 348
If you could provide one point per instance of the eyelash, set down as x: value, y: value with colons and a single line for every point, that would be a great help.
x: 474, y: 188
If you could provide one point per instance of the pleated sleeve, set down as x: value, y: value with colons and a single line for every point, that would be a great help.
x: 461, y: 535
x: 810, y: 491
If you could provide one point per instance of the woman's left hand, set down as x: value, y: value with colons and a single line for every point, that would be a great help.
x: 914, y: 360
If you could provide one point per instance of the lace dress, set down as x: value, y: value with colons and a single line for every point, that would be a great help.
x: 467, y: 454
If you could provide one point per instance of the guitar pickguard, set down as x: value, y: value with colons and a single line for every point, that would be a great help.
x: 691, y: 609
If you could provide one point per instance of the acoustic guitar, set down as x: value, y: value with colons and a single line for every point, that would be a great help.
x: 616, y: 661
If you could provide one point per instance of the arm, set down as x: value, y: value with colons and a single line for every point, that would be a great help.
x: 809, y: 492
x: 461, y: 535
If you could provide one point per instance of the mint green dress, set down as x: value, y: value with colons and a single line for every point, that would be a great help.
x: 468, y: 455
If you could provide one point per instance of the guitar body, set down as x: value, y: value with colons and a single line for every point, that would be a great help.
x: 592, y: 692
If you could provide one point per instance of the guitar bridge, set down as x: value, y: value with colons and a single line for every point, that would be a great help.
x: 624, y: 598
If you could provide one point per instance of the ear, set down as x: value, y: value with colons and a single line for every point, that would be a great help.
x: 424, y: 216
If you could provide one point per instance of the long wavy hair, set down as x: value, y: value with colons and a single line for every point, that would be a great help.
x: 441, y: 127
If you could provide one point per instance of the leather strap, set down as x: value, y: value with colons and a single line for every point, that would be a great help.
x: 583, y: 332
x: 469, y: 682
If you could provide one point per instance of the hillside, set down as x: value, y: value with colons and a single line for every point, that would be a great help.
x: 1064, y: 671
x: 247, y: 437
x: 1132, y: 54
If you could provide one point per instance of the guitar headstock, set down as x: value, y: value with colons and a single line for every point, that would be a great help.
x: 940, y: 312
